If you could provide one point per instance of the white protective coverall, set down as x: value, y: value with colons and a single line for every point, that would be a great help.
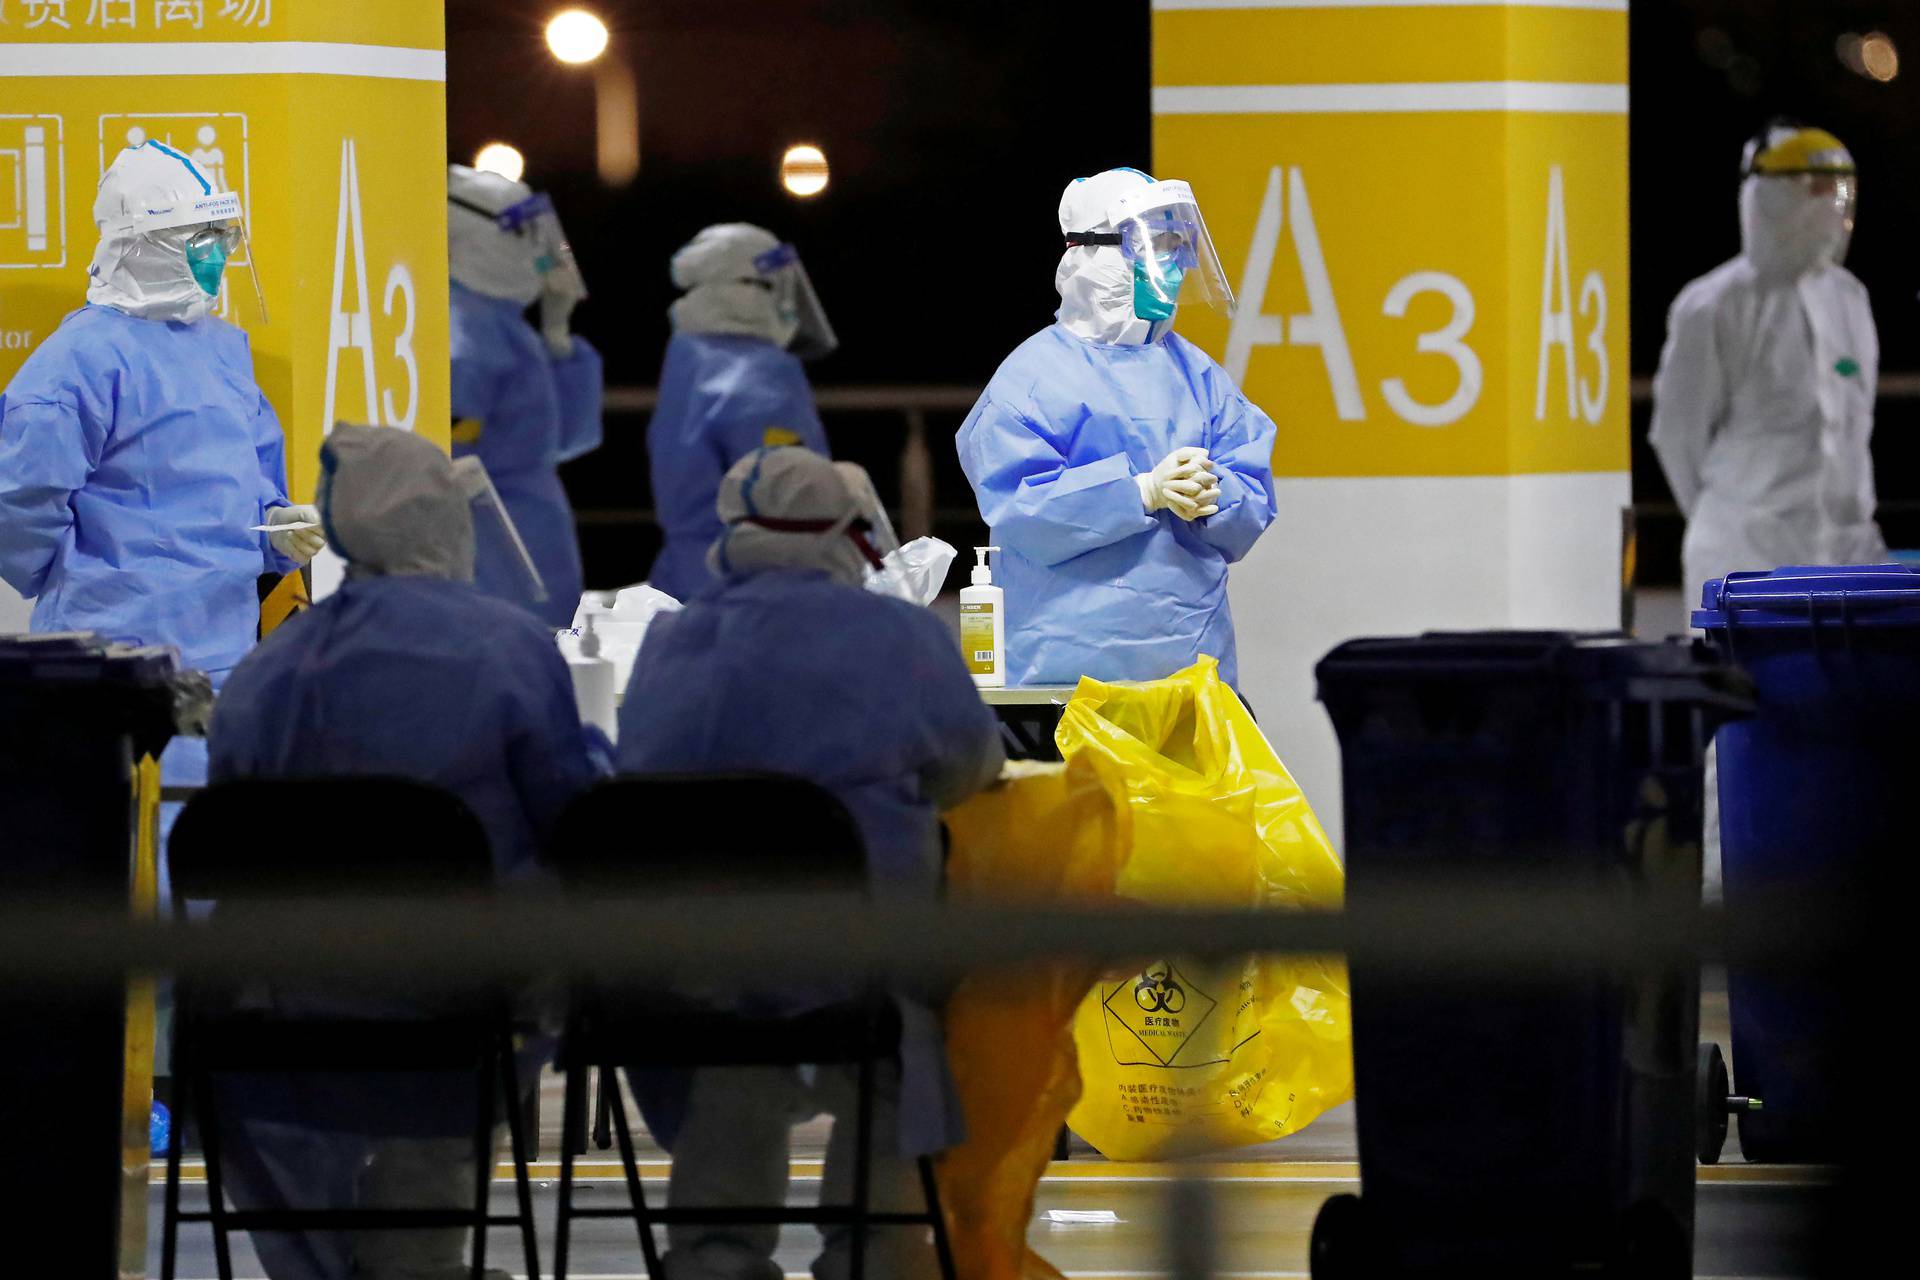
x: 1763, y: 404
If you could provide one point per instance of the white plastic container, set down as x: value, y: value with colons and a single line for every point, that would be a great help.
x: 594, y: 689
x: 983, y: 625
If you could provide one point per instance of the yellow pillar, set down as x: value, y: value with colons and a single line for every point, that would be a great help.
x: 1423, y: 210
x: 328, y: 117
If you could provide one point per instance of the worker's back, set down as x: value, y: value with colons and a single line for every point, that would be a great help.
x: 419, y: 678
x: 791, y: 672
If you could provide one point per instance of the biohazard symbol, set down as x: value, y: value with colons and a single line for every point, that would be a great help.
x: 1157, y: 992
x: 1152, y: 1018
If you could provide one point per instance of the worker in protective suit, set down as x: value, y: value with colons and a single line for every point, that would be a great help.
x: 138, y: 456
x: 1120, y: 469
x: 1763, y: 404
x: 788, y: 665
x: 384, y: 678
x: 732, y: 382
x: 524, y: 401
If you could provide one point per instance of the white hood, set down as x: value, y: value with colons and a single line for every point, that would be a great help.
x: 1094, y: 281
x: 145, y: 273
x: 480, y: 255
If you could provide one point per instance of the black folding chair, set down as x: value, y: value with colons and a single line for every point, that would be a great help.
x: 773, y: 834
x: 381, y: 839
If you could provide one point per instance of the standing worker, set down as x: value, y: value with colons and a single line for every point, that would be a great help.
x: 732, y: 383
x: 523, y: 401
x: 1120, y: 469
x: 137, y: 453
x: 1763, y: 405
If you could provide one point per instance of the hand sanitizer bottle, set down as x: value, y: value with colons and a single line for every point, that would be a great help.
x: 983, y: 625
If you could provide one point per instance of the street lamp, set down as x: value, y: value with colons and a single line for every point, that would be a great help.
x: 803, y: 170
x: 576, y: 36
x: 503, y: 159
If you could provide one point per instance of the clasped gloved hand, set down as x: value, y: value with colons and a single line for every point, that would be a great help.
x: 1182, y: 483
x: 296, y: 544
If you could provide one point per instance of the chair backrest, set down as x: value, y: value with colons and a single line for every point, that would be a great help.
x: 709, y: 833
x: 316, y: 837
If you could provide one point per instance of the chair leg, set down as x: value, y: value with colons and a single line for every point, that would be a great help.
x: 517, y: 1144
x: 170, y: 1211
x: 202, y: 1089
x: 483, y: 1163
x: 578, y: 1101
x: 602, y: 1112
x: 936, y: 1209
x: 862, y: 1167
x: 573, y: 1115
x: 610, y: 1089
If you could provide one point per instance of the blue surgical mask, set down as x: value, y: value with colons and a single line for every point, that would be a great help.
x: 1157, y: 301
x: 208, y: 262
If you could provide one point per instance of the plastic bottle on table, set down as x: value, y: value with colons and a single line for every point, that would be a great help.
x: 983, y: 625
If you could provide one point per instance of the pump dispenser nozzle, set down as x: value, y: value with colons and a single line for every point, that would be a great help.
x: 982, y: 574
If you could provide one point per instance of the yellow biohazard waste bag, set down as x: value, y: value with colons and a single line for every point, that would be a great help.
x: 1182, y: 1057
x: 1050, y: 833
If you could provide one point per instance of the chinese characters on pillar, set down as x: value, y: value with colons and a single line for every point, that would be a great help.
x: 104, y: 15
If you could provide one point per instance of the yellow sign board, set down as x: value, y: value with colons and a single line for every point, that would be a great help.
x: 1422, y: 212
x: 327, y: 117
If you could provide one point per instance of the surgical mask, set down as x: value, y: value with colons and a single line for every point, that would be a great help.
x: 1153, y: 299
x: 207, y: 253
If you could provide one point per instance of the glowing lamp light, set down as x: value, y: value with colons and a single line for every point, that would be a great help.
x: 1879, y: 56
x: 500, y: 158
x: 576, y: 36
x: 803, y: 170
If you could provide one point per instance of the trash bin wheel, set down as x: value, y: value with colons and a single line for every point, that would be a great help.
x: 1339, y: 1248
x: 1711, y: 1088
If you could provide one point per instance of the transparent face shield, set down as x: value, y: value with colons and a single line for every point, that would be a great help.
x: 534, y: 222
x: 218, y: 234
x: 872, y: 523
x: 1165, y: 242
x: 780, y: 270
x: 496, y: 540
x: 1841, y: 192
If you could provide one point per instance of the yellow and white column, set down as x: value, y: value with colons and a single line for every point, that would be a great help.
x: 1422, y: 207
x: 328, y: 117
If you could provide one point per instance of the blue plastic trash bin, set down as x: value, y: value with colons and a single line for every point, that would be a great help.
x: 1809, y: 792
x: 1539, y: 1126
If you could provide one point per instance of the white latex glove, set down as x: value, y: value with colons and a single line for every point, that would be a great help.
x: 296, y: 544
x: 1182, y: 483
x: 556, y: 321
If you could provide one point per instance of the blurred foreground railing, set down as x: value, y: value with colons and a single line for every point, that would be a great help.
x: 1504, y: 932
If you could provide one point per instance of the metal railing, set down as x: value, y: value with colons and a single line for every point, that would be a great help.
x: 912, y: 402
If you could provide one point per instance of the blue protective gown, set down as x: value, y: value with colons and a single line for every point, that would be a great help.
x: 721, y: 397
x: 135, y: 458
x: 1094, y: 585
x: 524, y: 413
x: 791, y: 672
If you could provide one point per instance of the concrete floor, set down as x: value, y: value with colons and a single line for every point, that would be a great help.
x: 1754, y: 1221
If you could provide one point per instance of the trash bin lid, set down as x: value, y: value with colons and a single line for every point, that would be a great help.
x: 83, y: 657
x: 1868, y: 595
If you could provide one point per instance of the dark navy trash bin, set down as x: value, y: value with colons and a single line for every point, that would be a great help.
x: 1544, y: 1125
x: 1811, y: 789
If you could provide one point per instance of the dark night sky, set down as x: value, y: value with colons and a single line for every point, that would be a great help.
x: 935, y: 115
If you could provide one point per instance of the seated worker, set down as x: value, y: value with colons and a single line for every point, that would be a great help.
x: 386, y: 677
x: 787, y: 665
